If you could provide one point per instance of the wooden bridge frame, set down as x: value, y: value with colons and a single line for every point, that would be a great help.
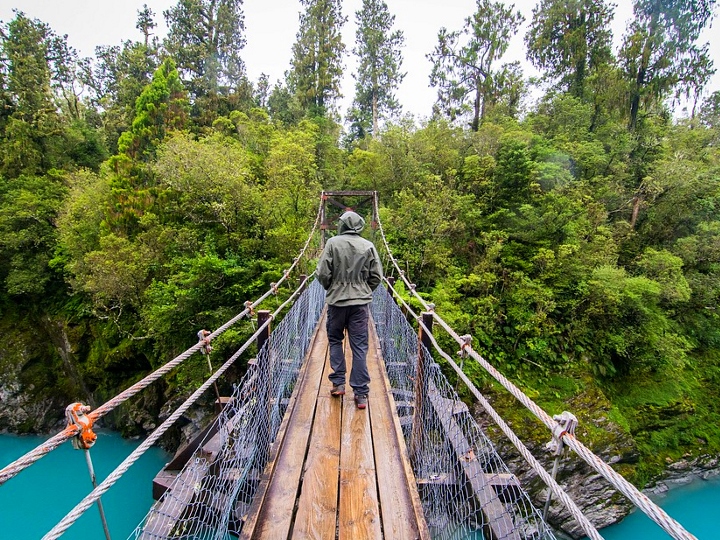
x: 331, y: 196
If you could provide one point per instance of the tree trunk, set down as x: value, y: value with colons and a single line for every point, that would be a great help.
x: 642, y: 71
x: 476, y: 117
x: 637, y: 202
x: 374, y: 113
x: 578, y: 89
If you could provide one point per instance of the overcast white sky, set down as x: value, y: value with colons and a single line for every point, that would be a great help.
x: 271, y: 27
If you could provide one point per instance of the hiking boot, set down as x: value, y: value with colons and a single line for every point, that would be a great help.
x: 338, y: 390
x: 361, y: 401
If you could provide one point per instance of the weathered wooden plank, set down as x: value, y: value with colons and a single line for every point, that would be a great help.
x: 359, y: 515
x: 318, y: 502
x: 275, y: 518
x: 400, y: 520
x: 359, y: 509
x: 307, y: 385
x: 162, y: 482
x: 498, y: 520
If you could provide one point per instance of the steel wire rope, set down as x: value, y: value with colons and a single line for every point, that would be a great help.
x: 14, y: 468
x: 401, y: 272
x: 559, y: 492
x: 652, y: 510
x: 65, y: 523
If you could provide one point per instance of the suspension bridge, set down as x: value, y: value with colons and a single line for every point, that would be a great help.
x: 284, y: 459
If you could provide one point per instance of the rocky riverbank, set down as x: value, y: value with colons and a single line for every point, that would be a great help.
x: 598, y: 500
x: 684, y: 472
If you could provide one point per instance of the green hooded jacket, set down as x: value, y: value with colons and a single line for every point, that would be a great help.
x: 349, y: 268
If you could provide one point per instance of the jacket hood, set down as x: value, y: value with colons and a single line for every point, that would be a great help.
x: 350, y: 222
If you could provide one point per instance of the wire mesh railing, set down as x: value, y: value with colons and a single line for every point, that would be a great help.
x: 213, y: 491
x: 466, y: 489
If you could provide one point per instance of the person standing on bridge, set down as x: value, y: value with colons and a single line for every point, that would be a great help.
x: 349, y: 269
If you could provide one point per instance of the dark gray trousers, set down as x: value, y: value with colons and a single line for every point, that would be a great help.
x: 354, y: 319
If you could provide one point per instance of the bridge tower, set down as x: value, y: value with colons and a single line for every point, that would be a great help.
x: 342, y: 201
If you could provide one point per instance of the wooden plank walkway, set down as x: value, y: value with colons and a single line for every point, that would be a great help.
x: 338, y: 472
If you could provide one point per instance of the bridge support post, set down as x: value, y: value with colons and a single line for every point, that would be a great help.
x: 263, y: 316
x: 323, y: 222
x: 421, y: 385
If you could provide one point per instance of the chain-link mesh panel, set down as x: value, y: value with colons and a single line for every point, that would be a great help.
x: 211, y: 494
x: 466, y: 489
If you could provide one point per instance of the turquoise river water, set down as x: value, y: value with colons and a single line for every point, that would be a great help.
x: 35, y: 500
x: 696, y: 506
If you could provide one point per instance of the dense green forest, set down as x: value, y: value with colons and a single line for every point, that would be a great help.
x: 151, y: 190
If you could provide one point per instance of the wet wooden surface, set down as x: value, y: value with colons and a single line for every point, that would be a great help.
x: 338, y: 472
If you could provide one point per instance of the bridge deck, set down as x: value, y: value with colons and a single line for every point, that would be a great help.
x: 338, y: 472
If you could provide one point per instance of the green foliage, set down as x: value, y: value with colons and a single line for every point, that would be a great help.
x: 28, y: 208
x: 116, y: 81
x: 660, y: 54
x: 28, y: 144
x: 160, y: 109
x: 316, y: 65
x: 378, y: 74
x: 570, y: 39
x: 198, y: 292
x: 463, y: 61
x: 205, y: 39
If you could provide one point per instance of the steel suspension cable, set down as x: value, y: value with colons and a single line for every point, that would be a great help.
x: 401, y: 272
x: 652, y: 510
x: 557, y: 490
x: 72, y: 516
x: 657, y: 514
x: 642, y: 501
x: 55, y: 441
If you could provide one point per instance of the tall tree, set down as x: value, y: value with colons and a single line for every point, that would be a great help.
x: 146, y: 22
x: 316, y: 65
x: 205, y: 37
x: 378, y: 76
x: 28, y: 143
x: 463, y: 60
x: 507, y: 90
x: 660, y: 52
x: 569, y: 38
x: 160, y: 108
x: 118, y: 77
x: 66, y: 75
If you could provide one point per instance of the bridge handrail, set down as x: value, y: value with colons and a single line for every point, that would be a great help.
x: 640, y: 500
x: 557, y: 490
x: 55, y: 441
x: 72, y: 516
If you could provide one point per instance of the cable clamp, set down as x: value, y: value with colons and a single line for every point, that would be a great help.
x: 466, y: 340
x: 274, y: 288
x: 565, y: 425
x: 204, y: 338
x: 249, y: 307
x: 76, y: 415
x: 431, y: 307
